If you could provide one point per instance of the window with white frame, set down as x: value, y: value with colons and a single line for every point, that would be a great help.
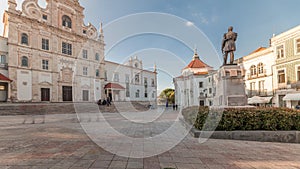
x: 137, y: 94
x: 85, y: 95
x: 252, y: 88
x: 2, y: 59
x: 85, y: 71
x: 280, y: 51
x: 84, y: 54
x: 66, y: 48
x: 297, y: 45
x: 152, y: 83
x: 253, y: 70
x: 45, y: 64
x: 261, y: 87
x: 45, y: 44
x: 281, y: 76
x: 137, y: 78
x: 116, y: 77
x: 127, y: 78
x: 260, y: 68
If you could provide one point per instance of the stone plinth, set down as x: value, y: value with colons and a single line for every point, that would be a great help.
x: 230, y: 86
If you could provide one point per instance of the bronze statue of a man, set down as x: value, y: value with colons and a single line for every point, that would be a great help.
x: 228, y: 45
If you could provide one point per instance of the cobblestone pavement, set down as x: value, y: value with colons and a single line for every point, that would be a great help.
x: 59, y: 142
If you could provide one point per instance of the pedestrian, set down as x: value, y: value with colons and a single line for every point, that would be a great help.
x: 176, y: 107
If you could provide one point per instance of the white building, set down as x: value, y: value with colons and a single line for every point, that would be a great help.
x: 130, y: 82
x: 258, y: 68
x: 4, y: 80
x: 194, y: 87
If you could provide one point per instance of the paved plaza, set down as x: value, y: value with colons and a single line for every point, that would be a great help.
x: 59, y: 142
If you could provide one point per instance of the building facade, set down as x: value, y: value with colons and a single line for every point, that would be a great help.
x: 286, y: 49
x: 130, y: 82
x: 52, y: 55
x: 258, y: 68
x: 4, y: 80
x: 195, y: 85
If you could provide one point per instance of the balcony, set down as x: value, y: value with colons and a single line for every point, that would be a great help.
x: 4, y: 66
x: 257, y: 75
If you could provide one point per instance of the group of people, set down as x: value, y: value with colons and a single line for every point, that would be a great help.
x: 106, y: 101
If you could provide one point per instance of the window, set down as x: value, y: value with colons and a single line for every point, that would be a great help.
x: 145, y: 82
x: 152, y: 83
x: 45, y: 64
x: 252, y: 88
x: 153, y: 94
x: 45, y: 44
x: 137, y: 94
x: 24, y: 39
x: 253, y: 70
x: 200, y: 84
x: 84, y: 54
x: 85, y: 71
x: 298, y: 45
x: 85, y: 95
x: 281, y: 76
x: 24, y: 61
x: 116, y: 77
x: 127, y: 78
x: 2, y: 59
x: 45, y: 17
x: 97, y: 57
x: 137, y: 78
x: 280, y: 52
x: 298, y: 73
x: 105, y: 75
x: 260, y: 68
x: 146, y: 94
x: 84, y: 31
x: 261, y: 86
x: 67, y: 48
x: 66, y: 21
x: 127, y: 90
x: 97, y: 72
x: 210, y: 90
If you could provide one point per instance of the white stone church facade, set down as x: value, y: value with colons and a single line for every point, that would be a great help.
x: 53, y: 56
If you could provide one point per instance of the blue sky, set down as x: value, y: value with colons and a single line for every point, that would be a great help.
x: 255, y: 22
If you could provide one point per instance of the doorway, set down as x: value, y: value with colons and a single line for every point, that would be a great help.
x: 67, y: 94
x: 45, y: 94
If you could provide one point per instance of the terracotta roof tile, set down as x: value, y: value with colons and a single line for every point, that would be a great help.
x: 196, y: 63
x: 4, y: 78
x: 258, y: 50
x: 113, y: 86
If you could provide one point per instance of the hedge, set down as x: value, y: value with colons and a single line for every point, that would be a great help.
x: 229, y: 119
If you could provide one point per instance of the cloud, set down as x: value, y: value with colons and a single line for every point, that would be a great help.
x: 189, y: 23
x: 201, y: 17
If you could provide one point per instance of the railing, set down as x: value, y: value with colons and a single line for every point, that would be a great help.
x: 4, y: 65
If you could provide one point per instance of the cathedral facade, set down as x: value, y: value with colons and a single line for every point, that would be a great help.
x: 52, y: 55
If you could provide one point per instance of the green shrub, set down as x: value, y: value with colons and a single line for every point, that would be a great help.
x: 229, y: 119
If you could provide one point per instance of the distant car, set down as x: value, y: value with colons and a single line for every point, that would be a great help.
x: 298, y: 107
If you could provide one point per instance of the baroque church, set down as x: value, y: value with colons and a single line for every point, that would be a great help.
x: 49, y: 54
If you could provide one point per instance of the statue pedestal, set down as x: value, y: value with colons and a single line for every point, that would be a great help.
x: 230, y: 86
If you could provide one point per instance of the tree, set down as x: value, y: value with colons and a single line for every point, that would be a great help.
x: 168, y: 94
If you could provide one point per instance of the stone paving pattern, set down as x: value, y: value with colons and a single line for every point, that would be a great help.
x: 60, y: 143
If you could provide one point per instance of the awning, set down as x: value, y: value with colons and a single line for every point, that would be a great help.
x: 4, y: 78
x: 113, y: 86
x: 259, y: 100
x: 292, y: 97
